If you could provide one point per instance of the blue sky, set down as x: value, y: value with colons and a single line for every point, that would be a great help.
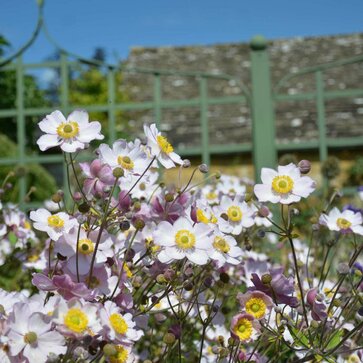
x: 117, y: 25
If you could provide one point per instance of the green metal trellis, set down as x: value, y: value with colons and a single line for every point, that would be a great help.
x: 262, y: 100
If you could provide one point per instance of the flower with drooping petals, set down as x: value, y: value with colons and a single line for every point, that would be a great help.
x: 255, y: 303
x: 71, y: 134
x: 244, y: 327
x: 344, y: 222
x: 182, y: 239
x: 161, y: 148
x: 53, y: 224
x: 285, y: 186
x: 118, y: 327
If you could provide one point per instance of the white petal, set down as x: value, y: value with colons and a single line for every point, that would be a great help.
x: 71, y: 147
x: 199, y: 257
x: 267, y: 175
x: 264, y: 194
x: 47, y: 141
x: 79, y: 116
x: 90, y: 132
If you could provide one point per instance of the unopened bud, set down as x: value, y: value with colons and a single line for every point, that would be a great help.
x: 186, y: 163
x: 314, y: 324
x: 218, y: 175
x: 125, y: 225
x: 263, y: 212
x: 118, y: 172
x: 224, y: 277
x: 130, y: 254
x: 77, y: 196
x: 84, y: 208
x: 56, y: 198
x: 266, y: 279
x: 343, y: 268
x: 161, y: 279
x: 203, y: 168
x: 169, y: 338
x: 137, y: 206
x: 169, y: 197
x: 188, y: 286
x: 109, y: 350
x: 139, y: 224
x: 304, y: 166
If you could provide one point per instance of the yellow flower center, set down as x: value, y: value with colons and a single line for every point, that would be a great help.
x: 211, y: 195
x: 221, y: 244
x: 27, y: 225
x: 164, y: 144
x: 256, y: 307
x: 55, y: 221
x: 128, y: 271
x: 243, y: 329
x: 342, y: 223
x: 353, y: 359
x: 118, y: 324
x: 282, y: 184
x: 201, y: 217
x: 93, y: 283
x: 125, y: 162
x: 184, y: 239
x: 121, y: 355
x: 30, y: 338
x: 76, y: 320
x: 234, y: 213
x: 68, y: 130
x: 85, y: 246
x: 33, y: 258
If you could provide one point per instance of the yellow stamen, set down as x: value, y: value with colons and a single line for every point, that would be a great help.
x: 164, y: 145
x: 118, y: 324
x: 282, y: 184
x: 184, y: 239
x: 342, y: 223
x: 68, y: 130
x: 121, y: 355
x: 125, y: 162
x: 85, y: 246
x: 76, y: 320
x: 55, y: 221
x: 234, y: 213
x: 256, y: 307
x: 243, y: 329
x: 221, y: 244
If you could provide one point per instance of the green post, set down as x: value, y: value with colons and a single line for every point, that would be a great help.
x: 111, y: 104
x: 204, y: 129
x: 157, y: 99
x: 320, y: 106
x: 21, y: 134
x: 263, y: 123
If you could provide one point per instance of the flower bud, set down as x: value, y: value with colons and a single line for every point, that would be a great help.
x: 360, y: 311
x: 169, y: 338
x: 224, y: 277
x: 169, y: 274
x: 84, y: 208
x: 125, y: 225
x: 109, y: 350
x: 130, y: 254
x: 266, y: 279
x: 118, y: 172
x: 203, y: 168
x: 314, y: 324
x: 263, y: 211
x: 218, y: 175
x: 208, y: 281
x: 261, y: 233
x: 137, y: 206
x: 169, y: 197
x: 139, y: 224
x: 343, y: 268
x: 188, y: 286
x: 160, y: 279
x: 56, y: 198
x: 304, y: 166
x: 186, y: 163
x: 77, y: 196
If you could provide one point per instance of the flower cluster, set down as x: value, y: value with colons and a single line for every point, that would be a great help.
x: 125, y: 268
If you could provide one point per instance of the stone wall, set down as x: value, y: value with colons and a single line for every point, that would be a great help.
x: 295, y: 121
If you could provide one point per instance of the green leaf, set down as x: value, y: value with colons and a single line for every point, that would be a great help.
x: 335, y: 339
x: 12, y: 238
x: 299, y: 336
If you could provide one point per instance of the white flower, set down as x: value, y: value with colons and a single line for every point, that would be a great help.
x: 77, y: 318
x: 161, y: 148
x: 231, y: 185
x: 238, y: 214
x: 345, y: 222
x: 225, y: 249
x: 182, y: 239
x: 210, y: 194
x: 284, y: 186
x: 55, y: 225
x: 118, y: 327
x: 126, y: 155
x: 31, y: 335
x: 71, y: 134
x: 67, y: 246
